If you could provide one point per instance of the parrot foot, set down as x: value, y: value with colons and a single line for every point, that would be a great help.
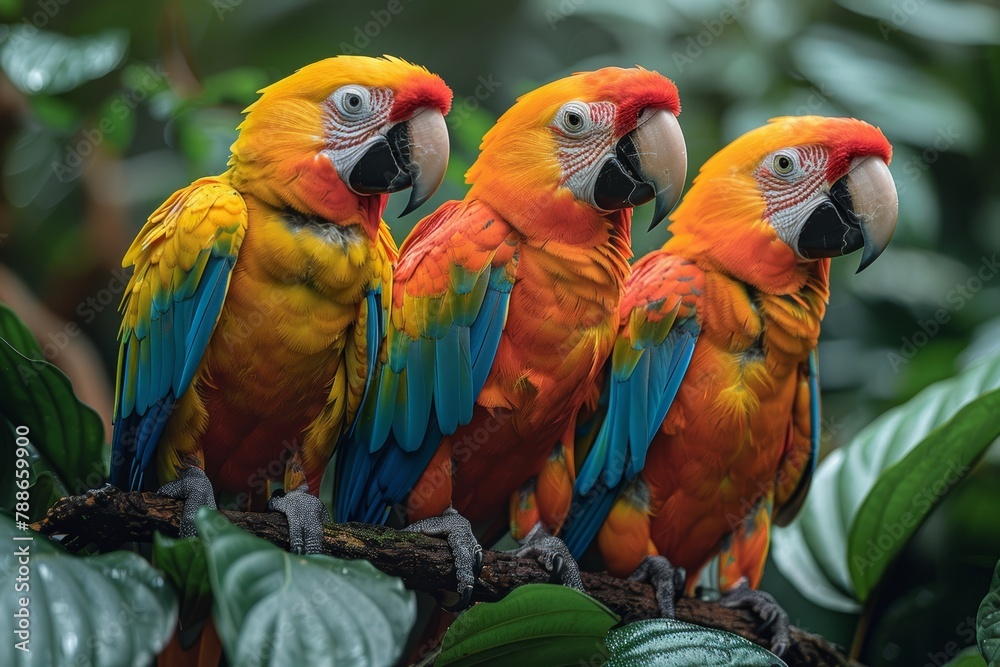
x: 465, y: 548
x: 195, y: 490
x: 553, y: 554
x: 667, y: 582
x: 306, y: 515
x: 767, y: 610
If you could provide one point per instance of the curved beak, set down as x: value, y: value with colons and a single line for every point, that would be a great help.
x: 412, y: 153
x: 650, y: 162
x: 860, y: 212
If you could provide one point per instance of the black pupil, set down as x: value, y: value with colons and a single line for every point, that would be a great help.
x: 354, y: 102
x: 574, y: 120
x: 784, y: 163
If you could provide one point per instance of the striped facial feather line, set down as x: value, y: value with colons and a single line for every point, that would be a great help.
x: 348, y: 139
x: 343, y: 133
x: 790, y: 199
x: 579, y: 154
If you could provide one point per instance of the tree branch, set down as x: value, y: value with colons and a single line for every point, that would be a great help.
x: 109, y: 517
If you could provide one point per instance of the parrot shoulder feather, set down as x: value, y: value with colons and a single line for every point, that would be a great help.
x: 658, y: 331
x: 182, y: 260
x: 450, y: 295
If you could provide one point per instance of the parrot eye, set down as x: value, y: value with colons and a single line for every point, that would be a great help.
x: 353, y: 101
x: 574, y: 118
x: 784, y: 164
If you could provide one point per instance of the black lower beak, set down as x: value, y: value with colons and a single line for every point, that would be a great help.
x: 620, y: 183
x: 832, y: 229
x: 385, y: 167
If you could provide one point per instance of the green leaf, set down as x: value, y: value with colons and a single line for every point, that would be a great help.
x: 869, y: 498
x: 185, y: 564
x: 108, y: 610
x: 45, y: 62
x: 664, y: 642
x: 66, y: 434
x: 952, y: 424
x: 538, y: 624
x: 275, y: 608
x: 988, y: 621
x: 14, y: 331
x: 967, y: 658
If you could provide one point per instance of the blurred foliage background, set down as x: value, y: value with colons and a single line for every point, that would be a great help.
x: 108, y: 107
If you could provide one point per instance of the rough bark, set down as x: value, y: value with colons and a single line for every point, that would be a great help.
x: 110, y: 517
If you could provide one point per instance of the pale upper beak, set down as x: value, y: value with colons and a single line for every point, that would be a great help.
x: 650, y: 162
x: 413, y: 153
x: 860, y: 212
x: 876, y: 205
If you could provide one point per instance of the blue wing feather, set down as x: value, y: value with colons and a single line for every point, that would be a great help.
x: 374, y: 332
x: 637, y: 404
x: 814, y: 422
x: 446, y: 374
x: 163, y: 363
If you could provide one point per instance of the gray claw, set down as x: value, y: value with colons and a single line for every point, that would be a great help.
x: 667, y: 582
x: 766, y: 608
x: 465, y: 549
x: 193, y: 487
x: 554, y: 556
x: 306, y: 515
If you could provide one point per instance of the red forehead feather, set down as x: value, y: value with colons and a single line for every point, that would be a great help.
x: 859, y: 140
x: 425, y: 90
x: 641, y: 89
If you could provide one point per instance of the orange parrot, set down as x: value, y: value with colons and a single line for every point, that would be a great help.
x: 254, y: 314
x: 711, y: 426
x: 505, y: 307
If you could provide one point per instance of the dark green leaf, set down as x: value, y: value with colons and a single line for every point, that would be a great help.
x: 42, y: 487
x: 186, y: 566
x: 869, y: 498
x: 275, y: 608
x: 962, y: 416
x: 14, y: 331
x: 970, y: 657
x: 665, y: 642
x: 67, y: 435
x: 539, y: 624
x: 988, y: 621
x: 107, y: 610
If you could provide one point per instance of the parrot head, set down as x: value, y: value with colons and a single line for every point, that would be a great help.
x: 793, y: 191
x: 582, y: 148
x: 335, y: 138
